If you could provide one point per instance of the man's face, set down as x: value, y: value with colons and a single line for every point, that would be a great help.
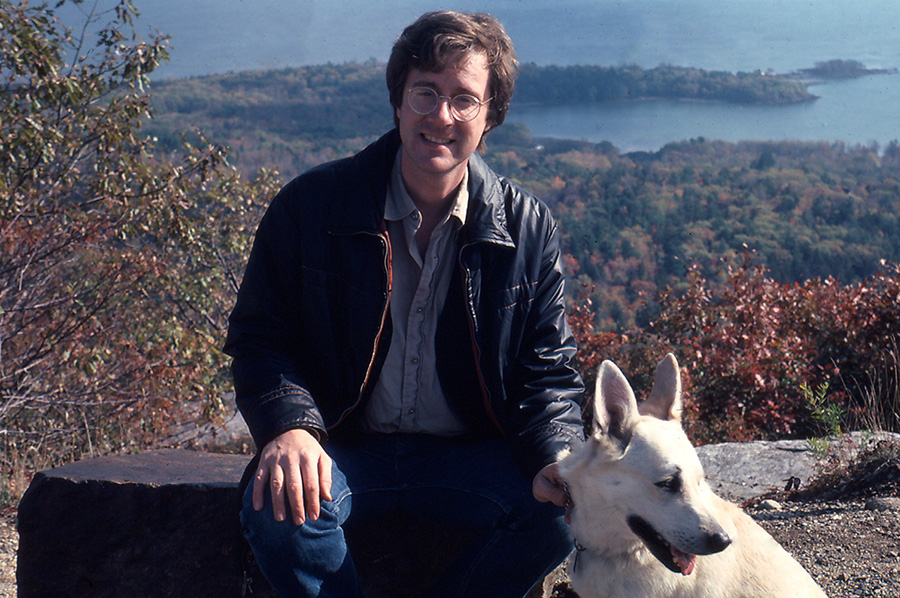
x: 435, y: 145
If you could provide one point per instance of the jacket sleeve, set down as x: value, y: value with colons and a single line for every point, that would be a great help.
x: 264, y: 332
x: 546, y: 415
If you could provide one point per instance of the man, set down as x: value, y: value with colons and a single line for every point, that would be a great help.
x: 400, y: 342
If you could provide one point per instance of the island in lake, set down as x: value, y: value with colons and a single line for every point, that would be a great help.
x: 842, y: 69
x: 589, y: 84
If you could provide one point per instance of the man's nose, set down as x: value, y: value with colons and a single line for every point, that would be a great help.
x: 442, y: 112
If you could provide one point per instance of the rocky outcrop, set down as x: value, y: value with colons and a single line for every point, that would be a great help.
x: 165, y: 523
x: 161, y: 523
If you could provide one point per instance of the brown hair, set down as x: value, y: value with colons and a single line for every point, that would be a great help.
x: 437, y: 39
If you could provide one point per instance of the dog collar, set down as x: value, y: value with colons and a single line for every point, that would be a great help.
x: 579, y: 548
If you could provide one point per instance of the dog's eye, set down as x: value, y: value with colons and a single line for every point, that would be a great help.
x: 672, y: 484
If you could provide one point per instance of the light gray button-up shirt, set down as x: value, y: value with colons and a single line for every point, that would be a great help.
x: 408, y: 396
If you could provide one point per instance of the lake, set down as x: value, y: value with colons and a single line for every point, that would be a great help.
x: 216, y: 36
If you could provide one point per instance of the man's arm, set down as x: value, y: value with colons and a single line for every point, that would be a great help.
x: 549, y: 390
x: 271, y: 391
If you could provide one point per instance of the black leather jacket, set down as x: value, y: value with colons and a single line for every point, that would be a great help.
x: 311, y: 325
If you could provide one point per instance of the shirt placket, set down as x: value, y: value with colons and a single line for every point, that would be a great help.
x: 415, y: 331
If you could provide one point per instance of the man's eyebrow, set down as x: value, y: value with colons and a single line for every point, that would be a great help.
x: 422, y: 83
x: 433, y: 85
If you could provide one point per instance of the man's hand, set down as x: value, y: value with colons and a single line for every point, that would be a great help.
x: 549, y: 486
x: 298, y: 472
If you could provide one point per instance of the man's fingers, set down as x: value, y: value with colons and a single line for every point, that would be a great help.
x: 295, y: 494
x: 548, y: 486
x: 259, y: 487
x: 276, y: 488
x: 311, y: 492
x: 291, y: 468
x: 325, y: 476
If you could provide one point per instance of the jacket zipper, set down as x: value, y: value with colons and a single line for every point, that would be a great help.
x: 476, y: 351
x: 388, y: 273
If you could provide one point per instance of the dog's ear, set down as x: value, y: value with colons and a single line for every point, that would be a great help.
x: 665, y: 398
x: 615, y: 408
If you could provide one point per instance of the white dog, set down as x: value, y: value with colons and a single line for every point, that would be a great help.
x: 643, y: 512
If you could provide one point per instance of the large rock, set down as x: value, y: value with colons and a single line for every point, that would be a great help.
x: 161, y: 523
x: 746, y: 470
x: 741, y: 471
x: 165, y: 523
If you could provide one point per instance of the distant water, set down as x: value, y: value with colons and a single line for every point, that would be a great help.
x: 215, y: 36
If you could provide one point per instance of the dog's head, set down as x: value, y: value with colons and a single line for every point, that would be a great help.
x: 638, y: 477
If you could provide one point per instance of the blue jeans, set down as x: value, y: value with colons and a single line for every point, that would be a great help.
x: 471, y: 484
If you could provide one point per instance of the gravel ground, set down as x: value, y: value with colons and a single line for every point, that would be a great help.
x: 849, y: 549
x: 845, y: 529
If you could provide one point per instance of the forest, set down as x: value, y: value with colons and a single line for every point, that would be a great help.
x: 585, y: 84
x: 127, y: 210
x: 632, y: 223
x: 297, y: 116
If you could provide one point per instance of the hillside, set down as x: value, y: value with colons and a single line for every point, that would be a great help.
x: 294, y: 118
x: 631, y: 223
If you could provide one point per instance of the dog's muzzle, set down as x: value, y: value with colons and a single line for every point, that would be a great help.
x: 670, y: 556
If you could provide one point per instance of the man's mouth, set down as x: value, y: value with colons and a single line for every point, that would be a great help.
x: 437, y: 140
x: 674, y: 559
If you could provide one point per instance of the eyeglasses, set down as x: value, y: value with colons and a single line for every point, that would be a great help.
x: 463, y: 107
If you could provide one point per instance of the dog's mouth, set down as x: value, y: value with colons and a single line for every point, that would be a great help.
x: 674, y: 559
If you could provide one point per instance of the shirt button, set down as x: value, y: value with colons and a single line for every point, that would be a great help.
x: 414, y: 360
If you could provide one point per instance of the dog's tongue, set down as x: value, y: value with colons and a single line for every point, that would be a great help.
x: 685, y: 561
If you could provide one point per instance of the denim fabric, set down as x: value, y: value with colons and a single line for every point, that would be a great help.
x: 471, y: 484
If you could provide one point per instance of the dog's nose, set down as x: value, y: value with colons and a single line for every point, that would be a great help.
x: 717, y: 542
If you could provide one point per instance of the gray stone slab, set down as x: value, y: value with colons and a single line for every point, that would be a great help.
x: 746, y: 470
x: 162, y: 523
x: 741, y: 471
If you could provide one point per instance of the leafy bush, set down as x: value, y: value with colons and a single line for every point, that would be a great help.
x: 117, y: 265
x: 749, y: 347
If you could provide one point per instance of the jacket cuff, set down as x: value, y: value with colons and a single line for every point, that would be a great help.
x: 547, y: 445
x: 286, y: 408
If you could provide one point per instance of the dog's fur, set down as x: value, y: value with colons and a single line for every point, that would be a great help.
x: 642, y: 509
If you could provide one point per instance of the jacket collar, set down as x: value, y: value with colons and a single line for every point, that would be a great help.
x: 362, y: 191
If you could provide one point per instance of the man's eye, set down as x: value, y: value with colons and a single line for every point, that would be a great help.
x: 464, y: 103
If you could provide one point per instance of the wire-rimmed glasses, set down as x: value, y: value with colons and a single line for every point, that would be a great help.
x: 463, y: 107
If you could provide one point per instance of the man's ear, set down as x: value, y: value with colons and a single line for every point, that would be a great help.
x: 481, y: 142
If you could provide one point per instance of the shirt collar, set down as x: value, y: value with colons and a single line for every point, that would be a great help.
x: 399, y: 204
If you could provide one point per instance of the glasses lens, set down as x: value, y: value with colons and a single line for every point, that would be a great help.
x: 422, y: 100
x: 465, y: 107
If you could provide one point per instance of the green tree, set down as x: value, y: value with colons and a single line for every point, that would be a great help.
x: 116, y: 265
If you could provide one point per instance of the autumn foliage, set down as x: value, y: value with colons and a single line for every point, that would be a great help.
x: 117, y: 264
x: 747, y: 346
